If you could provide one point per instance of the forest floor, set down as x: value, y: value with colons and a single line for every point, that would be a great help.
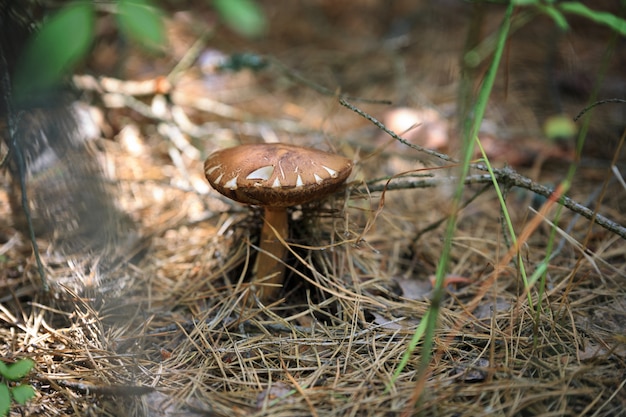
x: 180, y: 334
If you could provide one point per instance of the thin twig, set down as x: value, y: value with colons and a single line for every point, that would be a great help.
x: 118, y: 390
x: 597, y: 103
x: 321, y: 89
x: 384, y: 128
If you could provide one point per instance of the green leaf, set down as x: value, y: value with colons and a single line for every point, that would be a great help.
x: 19, y: 369
x: 3, y: 368
x: 63, y: 41
x: 5, y: 400
x: 559, y: 127
x: 243, y: 16
x: 143, y: 22
x: 22, y: 393
x: 556, y: 15
x: 603, y: 18
x: 525, y: 2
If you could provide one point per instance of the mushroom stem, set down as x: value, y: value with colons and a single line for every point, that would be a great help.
x: 269, y: 268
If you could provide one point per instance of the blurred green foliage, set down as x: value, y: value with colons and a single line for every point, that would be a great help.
x: 65, y: 37
x: 20, y: 393
x: 62, y: 42
x: 243, y: 16
x: 141, y: 21
x: 557, y: 10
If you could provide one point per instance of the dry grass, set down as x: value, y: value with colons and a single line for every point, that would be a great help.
x: 185, y: 337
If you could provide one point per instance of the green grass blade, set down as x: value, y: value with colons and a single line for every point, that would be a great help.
x: 430, y: 319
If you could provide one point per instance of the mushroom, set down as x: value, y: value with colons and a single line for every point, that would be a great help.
x: 274, y: 176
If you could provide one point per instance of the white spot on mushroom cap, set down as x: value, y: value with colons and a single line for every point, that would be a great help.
x: 213, y: 169
x: 219, y: 178
x: 276, y: 183
x: 263, y: 173
x: 331, y: 172
x: 299, y: 182
x: 280, y: 167
x: 232, y: 183
x: 318, y: 179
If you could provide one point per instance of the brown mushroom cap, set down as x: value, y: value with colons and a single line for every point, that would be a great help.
x: 275, y: 174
